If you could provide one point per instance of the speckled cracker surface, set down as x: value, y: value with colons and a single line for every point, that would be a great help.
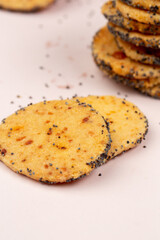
x: 138, y: 14
x: 113, y: 15
x: 25, y: 5
x: 139, y: 39
x: 128, y: 125
x: 141, y: 54
x: 107, y: 55
x: 151, y: 5
x: 55, y: 141
x: 150, y: 88
x: 152, y: 91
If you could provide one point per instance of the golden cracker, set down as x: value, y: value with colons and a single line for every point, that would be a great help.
x: 150, y: 5
x: 140, y: 54
x: 138, y: 39
x: 128, y: 125
x: 149, y: 88
x: 55, y: 141
x: 138, y: 14
x: 113, y: 15
x: 107, y: 55
x: 25, y: 5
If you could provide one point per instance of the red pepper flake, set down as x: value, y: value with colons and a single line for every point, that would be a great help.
x: 91, y: 133
x: 49, y: 132
x: 46, y: 166
x: 47, y: 121
x: 119, y: 55
x: 3, y: 152
x: 20, y: 139
x: 85, y: 120
x: 29, y: 142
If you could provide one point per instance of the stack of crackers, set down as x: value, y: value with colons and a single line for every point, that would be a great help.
x: 25, y: 5
x: 64, y: 140
x: 128, y: 48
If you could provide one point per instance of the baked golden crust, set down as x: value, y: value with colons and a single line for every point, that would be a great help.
x: 138, y: 14
x: 135, y: 38
x: 107, y: 54
x: 110, y: 63
x: 113, y: 15
x: 55, y: 141
x: 128, y: 125
x: 140, y: 54
x: 151, y: 5
x: 25, y: 5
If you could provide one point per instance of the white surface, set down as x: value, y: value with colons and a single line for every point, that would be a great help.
x: 124, y: 203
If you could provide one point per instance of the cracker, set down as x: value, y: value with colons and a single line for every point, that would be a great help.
x: 147, y: 88
x: 150, y: 84
x: 141, y: 54
x: 135, y: 38
x: 107, y: 55
x: 138, y: 84
x: 138, y: 14
x: 113, y: 15
x: 25, y: 5
x: 152, y: 91
x: 151, y: 5
x: 128, y: 125
x: 55, y: 141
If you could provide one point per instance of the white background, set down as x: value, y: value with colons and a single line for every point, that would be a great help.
x: 41, y: 54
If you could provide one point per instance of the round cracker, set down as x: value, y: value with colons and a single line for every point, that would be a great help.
x: 107, y: 54
x: 133, y: 82
x: 146, y: 86
x: 141, y: 54
x: 135, y: 38
x: 55, y: 141
x: 128, y: 125
x: 25, y: 5
x: 147, y: 83
x: 147, y: 89
x: 152, y: 91
x: 151, y: 5
x: 138, y: 14
x: 113, y: 15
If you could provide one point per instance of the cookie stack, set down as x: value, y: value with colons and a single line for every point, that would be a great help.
x: 128, y: 48
x: 64, y: 140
